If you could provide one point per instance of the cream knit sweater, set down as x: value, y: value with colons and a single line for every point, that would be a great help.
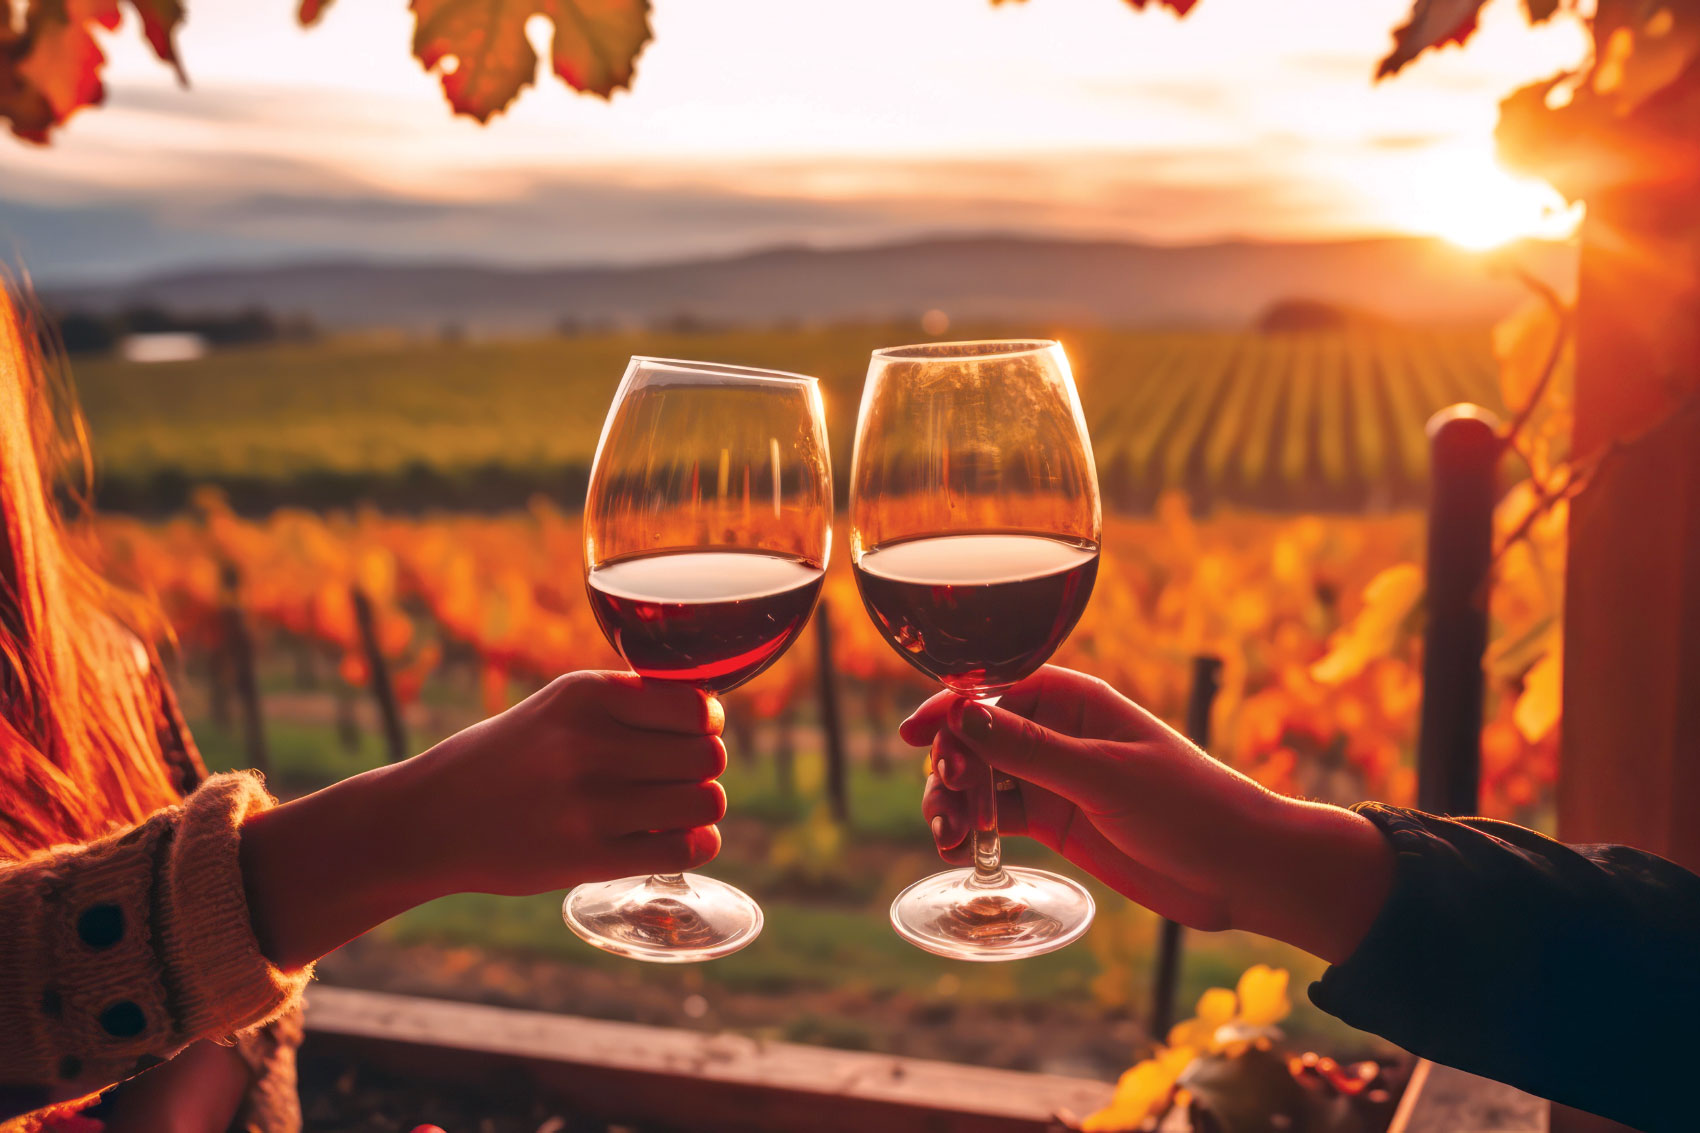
x: 116, y: 954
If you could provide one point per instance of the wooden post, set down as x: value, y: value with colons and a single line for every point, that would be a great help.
x: 837, y: 788
x: 378, y: 672
x: 1465, y: 448
x: 740, y: 728
x: 877, y: 698
x: 1206, y: 682
x: 347, y: 727
x: 1629, y: 754
x: 239, y: 648
x: 218, y: 685
x: 785, y: 750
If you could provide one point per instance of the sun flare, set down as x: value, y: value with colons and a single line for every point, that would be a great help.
x: 1466, y: 197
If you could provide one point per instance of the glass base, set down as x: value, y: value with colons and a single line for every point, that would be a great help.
x: 665, y: 920
x: 1035, y: 912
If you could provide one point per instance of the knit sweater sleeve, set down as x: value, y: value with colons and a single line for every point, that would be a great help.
x: 118, y: 953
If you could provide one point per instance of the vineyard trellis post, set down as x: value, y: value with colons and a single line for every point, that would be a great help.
x: 1631, y: 721
x: 238, y: 641
x: 832, y: 727
x: 1206, y: 683
x: 1465, y: 449
x: 378, y: 672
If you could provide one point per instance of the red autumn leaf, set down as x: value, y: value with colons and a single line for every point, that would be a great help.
x: 51, y: 69
x: 64, y: 61
x: 1179, y: 7
x: 1433, y: 23
x: 160, y: 19
x: 596, y: 44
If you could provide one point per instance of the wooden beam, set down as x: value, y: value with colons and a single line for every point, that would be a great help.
x: 1440, y: 1099
x: 1630, y: 746
x: 686, y: 1079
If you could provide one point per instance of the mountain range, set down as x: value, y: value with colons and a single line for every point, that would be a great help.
x: 1403, y: 279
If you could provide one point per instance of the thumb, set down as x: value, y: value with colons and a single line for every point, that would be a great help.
x: 1072, y: 767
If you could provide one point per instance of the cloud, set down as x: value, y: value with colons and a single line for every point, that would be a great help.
x: 283, y: 210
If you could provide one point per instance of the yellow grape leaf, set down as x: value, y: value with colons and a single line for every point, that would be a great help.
x: 1216, y: 1007
x: 1539, y: 704
x: 1191, y: 1034
x: 1521, y: 343
x: 1389, y: 601
x: 1141, y: 1094
x: 1263, y: 996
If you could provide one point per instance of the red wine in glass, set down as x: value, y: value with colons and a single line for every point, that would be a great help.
x: 707, y: 530
x: 711, y: 618
x: 977, y: 613
x: 975, y: 523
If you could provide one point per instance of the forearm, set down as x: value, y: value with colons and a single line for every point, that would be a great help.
x: 327, y: 867
x: 1508, y: 954
x: 198, y: 1091
x: 1316, y: 877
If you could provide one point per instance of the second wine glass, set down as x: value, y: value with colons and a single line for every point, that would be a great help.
x: 707, y: 529
x: 975, y: 526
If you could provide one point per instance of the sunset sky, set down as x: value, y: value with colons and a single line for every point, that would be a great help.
x: 756, y: 122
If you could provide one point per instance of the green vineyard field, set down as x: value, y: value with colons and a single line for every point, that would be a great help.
x: 1305, y: 420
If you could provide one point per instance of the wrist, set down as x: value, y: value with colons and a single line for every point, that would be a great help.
x: 1324, y: 876
x: 322, y: 869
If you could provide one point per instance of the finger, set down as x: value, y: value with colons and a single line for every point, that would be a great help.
x: 659, y: 706
x: 924, y: 723
x: 671, y: 851
x: 950, y: 815
x: 669, y: 759
x: 956, y: 766
x: 946, y: 812
x: 669, y: 806
x: 1077, y: 769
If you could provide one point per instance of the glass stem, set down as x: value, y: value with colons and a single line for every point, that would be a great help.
x: 988, y: 850
x: 670, y: 882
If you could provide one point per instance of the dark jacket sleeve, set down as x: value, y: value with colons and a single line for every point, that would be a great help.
x: 1571, y: 972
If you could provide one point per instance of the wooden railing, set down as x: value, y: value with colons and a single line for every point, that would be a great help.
x: 678, y: 1079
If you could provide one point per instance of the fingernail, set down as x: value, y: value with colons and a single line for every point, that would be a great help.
x: 938, y: 828
x: 976, y: 722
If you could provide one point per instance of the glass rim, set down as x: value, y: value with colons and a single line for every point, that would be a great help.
x: 960, y: 351
x: 719, y: 369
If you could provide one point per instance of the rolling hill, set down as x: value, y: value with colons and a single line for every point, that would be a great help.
x: 1407, y: 280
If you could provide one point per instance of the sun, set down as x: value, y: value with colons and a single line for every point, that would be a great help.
x: 1467, y: 198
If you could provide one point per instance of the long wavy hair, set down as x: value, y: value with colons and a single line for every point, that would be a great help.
x: 82, y: 727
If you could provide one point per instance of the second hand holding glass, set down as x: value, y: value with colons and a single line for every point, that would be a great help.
x: 975, y: 527
x: 707, y: 529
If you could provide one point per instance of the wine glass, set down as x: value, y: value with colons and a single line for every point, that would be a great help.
x: 707, y: 529
x: 975, y: 527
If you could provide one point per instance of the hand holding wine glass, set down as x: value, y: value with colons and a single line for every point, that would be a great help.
x: 707, y: 529
x: 975, y: 523
x: 1130, y: 800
